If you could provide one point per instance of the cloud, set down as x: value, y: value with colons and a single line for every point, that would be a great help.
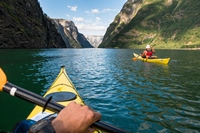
x: 78, y: 19
x: 93, y: 11
x: 94, y: 27
x: 97, y: 19
x: 72, y: 8
x: 68, y: 15
x: 108, y: 10
x: 96, y: 11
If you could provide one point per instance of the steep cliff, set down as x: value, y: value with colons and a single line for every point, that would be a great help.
x: 162, y: 23
x: 23, y: 25
x: 70, y: 34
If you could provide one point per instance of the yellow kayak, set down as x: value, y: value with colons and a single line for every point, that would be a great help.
x: 157, y: 60
x: 59, y: 95
x: 62, y: 91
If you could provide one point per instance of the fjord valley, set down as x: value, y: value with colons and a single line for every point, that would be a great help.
x: 162, y: 23
x: 165, y: 24
x: 134, y: 95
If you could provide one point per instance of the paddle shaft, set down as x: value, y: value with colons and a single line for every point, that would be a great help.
x: 53, y: 106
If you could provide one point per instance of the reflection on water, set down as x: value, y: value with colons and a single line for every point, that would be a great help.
x: 133, y: 95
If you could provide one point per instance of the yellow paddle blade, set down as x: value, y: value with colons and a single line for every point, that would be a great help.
x: 134, y: 58
x: 3, y: 79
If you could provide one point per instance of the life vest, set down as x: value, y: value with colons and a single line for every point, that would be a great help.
x: 149, y: 53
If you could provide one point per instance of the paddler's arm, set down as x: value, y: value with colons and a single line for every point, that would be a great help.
x: 143, y: 54
x: 152, y: 49
x: 75, y: 118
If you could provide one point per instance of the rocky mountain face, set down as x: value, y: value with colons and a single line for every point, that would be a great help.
x: 127, y: 13
x: 95, y: 40
x: 70, y: 34
x: 161, y: 23
x: 23, y: 25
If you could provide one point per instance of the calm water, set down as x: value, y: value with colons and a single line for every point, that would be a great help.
x: 133, y: 95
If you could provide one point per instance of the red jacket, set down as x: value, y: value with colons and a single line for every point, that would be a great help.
x: 149, y: 53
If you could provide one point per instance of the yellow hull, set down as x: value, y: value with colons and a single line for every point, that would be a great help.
x: 157, y: 60
x: 61, y: 84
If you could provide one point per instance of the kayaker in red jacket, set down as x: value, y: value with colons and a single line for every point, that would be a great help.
x: 148, y: 52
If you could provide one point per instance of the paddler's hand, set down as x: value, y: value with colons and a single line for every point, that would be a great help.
x: 75, y: 118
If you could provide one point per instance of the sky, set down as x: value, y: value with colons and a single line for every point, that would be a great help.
x: 91, y: 17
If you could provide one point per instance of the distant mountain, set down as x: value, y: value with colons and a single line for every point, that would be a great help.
x: 95, y: 40
x: 24, y: 25
x: 70, y: 34
x: 162, y: 23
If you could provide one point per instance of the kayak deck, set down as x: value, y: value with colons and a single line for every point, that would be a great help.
x: 157, y: 60
x: 62, y: 91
